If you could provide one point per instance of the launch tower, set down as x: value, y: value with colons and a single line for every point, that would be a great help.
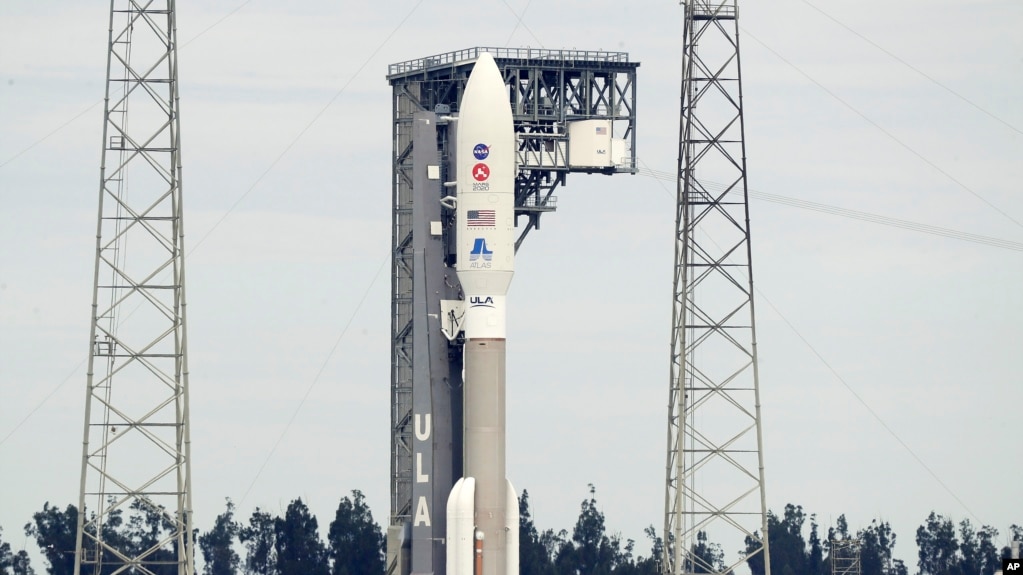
x: 135, y: 449
x: 715, y: 465
x: 573, y: 111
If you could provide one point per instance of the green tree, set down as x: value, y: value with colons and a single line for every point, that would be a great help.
x: 591, y: 551
x: 788, y: 548
x: 977, y: 549
x: 754, y: 556
x: 969, y: 549
x: 1015, y: 534
x: 877, y: 543
x: 707, y: 557
x: 937, y: 547
x: 54, y: 532
x: 534, y: 556
x: 217, y: 545
x: 990, y: 561
x: 259, y: 538
x: 13, y: 563
x: 356, y: 542
x: 651, y: 565
x: 297, y: 544
x: 146, y: 533
x: 815, y: 558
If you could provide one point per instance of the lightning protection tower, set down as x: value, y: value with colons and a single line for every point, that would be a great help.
x: 135, y: 450
x: 714, y: 490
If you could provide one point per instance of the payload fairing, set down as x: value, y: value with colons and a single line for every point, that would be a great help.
x: 483, y: 507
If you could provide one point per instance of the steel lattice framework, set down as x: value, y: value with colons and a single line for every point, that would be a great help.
x: 135, y: 453
x: 715, y: 475
x: 845, y: 556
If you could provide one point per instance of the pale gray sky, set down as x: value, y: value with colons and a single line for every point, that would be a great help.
x: 925, y: 328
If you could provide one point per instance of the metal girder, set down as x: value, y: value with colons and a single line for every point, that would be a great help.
x: 714, y: 489
x: 136, y: 456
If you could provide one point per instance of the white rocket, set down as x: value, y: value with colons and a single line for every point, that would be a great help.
x: 482, y: 509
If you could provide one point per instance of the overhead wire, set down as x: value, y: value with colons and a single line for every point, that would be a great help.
x: 315, y: 380
x: 100, y: 101
x: 767, y: 197
x: 866, y: 405
x: 881, y: 129
x: 854, y: 214
x: 519, y: 22
x: 41, y: 140
x: 237, y: 202
x: 337, y: 342
x: 852, y: 391
x: 931, y: 79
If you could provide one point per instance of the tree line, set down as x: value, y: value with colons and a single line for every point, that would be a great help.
x: 942, y: 548
x: 355, y: 544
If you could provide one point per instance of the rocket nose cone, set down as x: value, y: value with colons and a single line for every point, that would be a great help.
x: 485, y: 57
x: 484, y: 71
x: 485, y: 93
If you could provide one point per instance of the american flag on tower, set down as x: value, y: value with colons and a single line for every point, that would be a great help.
x: 481, y: 218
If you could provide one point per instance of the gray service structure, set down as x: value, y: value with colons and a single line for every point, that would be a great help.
x: 560, y: 100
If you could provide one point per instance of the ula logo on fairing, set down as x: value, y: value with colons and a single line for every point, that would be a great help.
x: 480, y: 252
x: 481, y: 301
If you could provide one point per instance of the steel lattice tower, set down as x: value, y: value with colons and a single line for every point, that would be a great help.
x: 135, y: 452
x: 715, y: 471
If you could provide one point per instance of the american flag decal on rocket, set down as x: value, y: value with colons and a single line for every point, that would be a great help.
x: 481, y: 218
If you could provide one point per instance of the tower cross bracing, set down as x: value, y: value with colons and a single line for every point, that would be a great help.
x: 714, y: 489
x: 136, y: 446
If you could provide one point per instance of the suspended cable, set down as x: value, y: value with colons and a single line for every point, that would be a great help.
x: 315, y: 380
x: 98, y: 102
x: 850, y: 389
x: 867, y: 406
x: 233, y: 206
x: 915, y: 69
x: 855, y: 214
x: 881, y: 129
x: 519, y: 23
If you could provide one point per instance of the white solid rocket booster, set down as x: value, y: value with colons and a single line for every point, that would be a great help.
x: 485, y: 148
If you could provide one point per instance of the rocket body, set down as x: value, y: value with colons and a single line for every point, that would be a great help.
x: 485, y: 154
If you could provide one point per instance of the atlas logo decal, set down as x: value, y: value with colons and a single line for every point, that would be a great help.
x: 480, y: 257
x: 479, y: 249
x: 480, y: 172
x: 481, y: 301
x: 481, y: 151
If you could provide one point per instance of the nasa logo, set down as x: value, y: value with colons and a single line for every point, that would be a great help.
x: 479, y: 249
x: 480, y: 172
x: 481, y: 151
x: 481, y: 301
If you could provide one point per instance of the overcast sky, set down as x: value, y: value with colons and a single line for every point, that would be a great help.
x: 288, y: 224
